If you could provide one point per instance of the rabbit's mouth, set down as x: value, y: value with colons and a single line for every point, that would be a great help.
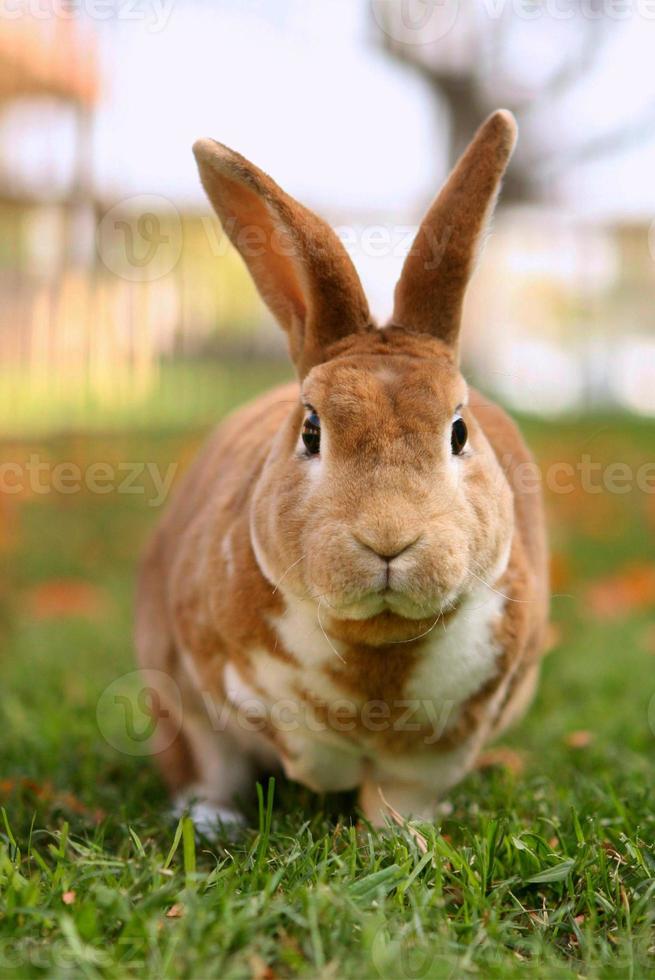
x: 400, y: 603
x: 403, y: 604
x: 407, y: 607
x: 388, y: 623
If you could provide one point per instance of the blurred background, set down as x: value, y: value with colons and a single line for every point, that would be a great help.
x: 118, y: 293
x: 128, y: 326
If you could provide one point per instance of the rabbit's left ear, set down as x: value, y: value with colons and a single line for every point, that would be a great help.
x: 430, y: 292
x: 298, y: 263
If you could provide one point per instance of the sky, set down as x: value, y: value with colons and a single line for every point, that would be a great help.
x: 301, y: 88
x: 304, y: 95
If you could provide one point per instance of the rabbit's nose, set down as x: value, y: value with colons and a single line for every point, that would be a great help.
x: 387, y: 552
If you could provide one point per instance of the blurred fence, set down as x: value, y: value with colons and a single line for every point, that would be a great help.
x: 559, y: 316
x: 92, y: 334
x: 97, y: 294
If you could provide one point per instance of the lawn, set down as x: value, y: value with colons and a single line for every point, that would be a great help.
x: 541, y: 864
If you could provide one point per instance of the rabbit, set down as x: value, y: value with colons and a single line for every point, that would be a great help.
x: 350, y: 584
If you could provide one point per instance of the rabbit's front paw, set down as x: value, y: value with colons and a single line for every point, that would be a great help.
x: 209, y: 818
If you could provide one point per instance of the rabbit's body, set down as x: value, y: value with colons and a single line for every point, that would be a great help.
x: 366, y: 613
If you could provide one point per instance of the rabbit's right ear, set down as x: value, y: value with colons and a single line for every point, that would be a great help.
x: 430, y: 291
x: 297, y: 262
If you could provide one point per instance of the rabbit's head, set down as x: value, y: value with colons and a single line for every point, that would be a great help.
x: 381, y: 495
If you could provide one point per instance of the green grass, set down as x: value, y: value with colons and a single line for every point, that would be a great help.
x: 549, y: 872
x: 184, y: 393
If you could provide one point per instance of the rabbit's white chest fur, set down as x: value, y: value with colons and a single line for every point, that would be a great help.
x: 329, y: 747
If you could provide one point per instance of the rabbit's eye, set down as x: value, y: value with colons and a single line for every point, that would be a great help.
x: 311, y: 433
x: 459, y: 435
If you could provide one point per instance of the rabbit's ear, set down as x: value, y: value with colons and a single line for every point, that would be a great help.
x: 430, y: 292
x: 297, y: 262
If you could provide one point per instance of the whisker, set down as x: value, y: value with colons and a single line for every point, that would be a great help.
x: 296, y: 562
x: 332, y: 647
x: 317, y: 596
x: 421, y: 635
x: 497, y: 591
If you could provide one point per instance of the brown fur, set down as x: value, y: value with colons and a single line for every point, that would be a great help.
x: 259, y: 534
x: 430, y: 292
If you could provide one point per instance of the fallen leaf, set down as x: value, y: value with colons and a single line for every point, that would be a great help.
x: 62, y: 598
x: 260, y: 969
x: 630, y: 589
x: 579, y: 740
x: 175, y: 911
x: 68, y: 898
x: 46, y: 793
x: 610, y: 850
x: 502, y: 757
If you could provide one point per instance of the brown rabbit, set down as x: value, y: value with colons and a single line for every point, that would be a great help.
x: 349, y: 583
